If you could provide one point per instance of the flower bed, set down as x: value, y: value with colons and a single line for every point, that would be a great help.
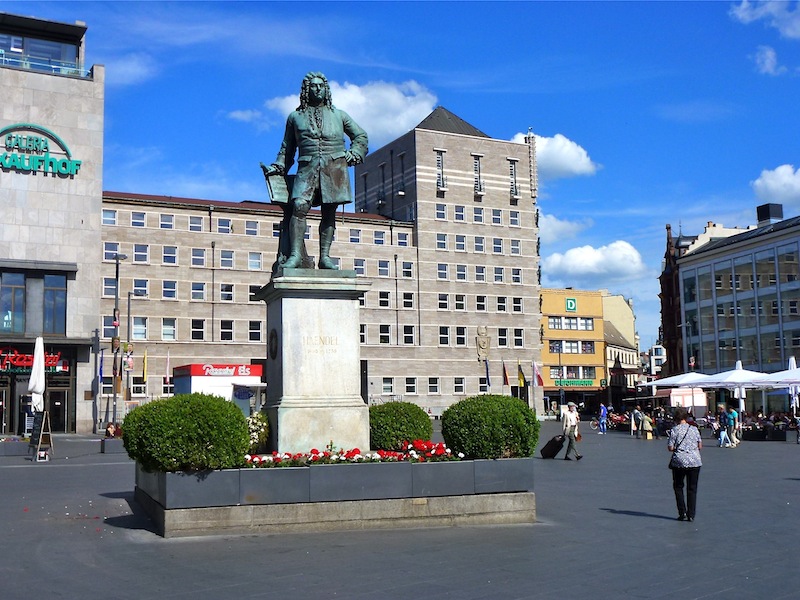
x: 335, y: 482
x: 327, y: 497
x: 415, y: 452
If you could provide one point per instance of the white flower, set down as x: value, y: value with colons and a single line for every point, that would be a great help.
x: 460, y: 455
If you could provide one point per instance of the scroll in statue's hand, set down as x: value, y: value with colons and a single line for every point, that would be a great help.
x: 269, y: 171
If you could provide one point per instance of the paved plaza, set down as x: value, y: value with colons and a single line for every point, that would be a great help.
x: 607, y: 529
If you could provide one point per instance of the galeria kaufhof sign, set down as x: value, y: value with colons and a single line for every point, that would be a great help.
x: 30, y: 148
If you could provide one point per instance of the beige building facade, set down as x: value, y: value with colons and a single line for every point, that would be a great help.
x: 51, y: 166
x: 452, y: 270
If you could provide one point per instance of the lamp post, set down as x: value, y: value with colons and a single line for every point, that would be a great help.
x: 115, y: 343
x: 138, y: 293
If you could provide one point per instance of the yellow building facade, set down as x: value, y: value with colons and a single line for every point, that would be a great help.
x: 573, y: 349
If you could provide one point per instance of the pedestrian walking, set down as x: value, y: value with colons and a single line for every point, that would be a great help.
x: 603, y: 419
x: 685, y: 444
x: 570, y: 424
x: 733, y: 423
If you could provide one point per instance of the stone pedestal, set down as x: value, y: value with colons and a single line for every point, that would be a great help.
x: 314, y: 361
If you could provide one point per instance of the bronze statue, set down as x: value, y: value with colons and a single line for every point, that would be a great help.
x: 315, y: 131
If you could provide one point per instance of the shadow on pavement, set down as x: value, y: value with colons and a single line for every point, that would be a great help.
x: 636, y: 513
x: 138, y: 519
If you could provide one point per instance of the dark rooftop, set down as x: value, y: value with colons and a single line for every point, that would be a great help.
x: 443, y: 120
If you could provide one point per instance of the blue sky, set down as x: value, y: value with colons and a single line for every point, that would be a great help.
x: 647, y: 113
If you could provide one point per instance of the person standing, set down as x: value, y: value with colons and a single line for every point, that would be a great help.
x: 638, y: 420
x: 603, y: 419
x: 570, y: 425
x: 733, y: 422
x: 685, y: 444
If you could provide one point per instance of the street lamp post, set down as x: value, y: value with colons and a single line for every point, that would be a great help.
x: 115, y: 345
x: 138, y: 293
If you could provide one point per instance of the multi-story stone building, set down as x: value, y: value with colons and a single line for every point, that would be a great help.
x: 51, y: 166
x: 740, y: 300
x: 450, y: 247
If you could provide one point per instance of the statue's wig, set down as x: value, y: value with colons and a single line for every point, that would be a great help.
x: 304, y: 89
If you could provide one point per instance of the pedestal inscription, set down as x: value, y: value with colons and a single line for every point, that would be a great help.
x: 313, y: 366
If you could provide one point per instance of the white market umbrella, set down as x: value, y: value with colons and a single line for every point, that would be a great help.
x: 36, y: 383
x: 739, y: 380
x: 691, y: 379
x: 790, y: 378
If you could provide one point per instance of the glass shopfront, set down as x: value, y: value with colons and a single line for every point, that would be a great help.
x: 15, y: 400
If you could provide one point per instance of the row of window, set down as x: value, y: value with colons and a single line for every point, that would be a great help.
x: 443, y: 271
x: 478, y: 244
x: 199, y: 257
x: 478, y: 183
x: 479, y: 215
x: 571, y: 323
x: 251, y: 227
x: 447, y: 335
x: 169, y: 289
x: 198, y: 329
x: 433, y: 385
x: 571, y: 347
x: 572, y: 372
x: 762, y: 269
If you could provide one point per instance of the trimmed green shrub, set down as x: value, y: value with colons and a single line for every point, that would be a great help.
x: 188, y: 432
x: 491, y: 426
x: 393, y: 423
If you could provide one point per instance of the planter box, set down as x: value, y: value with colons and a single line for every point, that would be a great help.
x: 504, y: 475
x: 339, y: 497
x: 456, y: 478
x: 284, y: 485
x: 15, y: 449
x: 336, y: 483
x: 190, y: 490
x: 367, y: 481
x: 112, y: 446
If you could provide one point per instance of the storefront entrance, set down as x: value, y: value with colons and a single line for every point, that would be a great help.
x: 57, y: 405
x: 59, y: 400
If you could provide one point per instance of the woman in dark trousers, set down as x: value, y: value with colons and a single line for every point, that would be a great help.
x: 685, y: 444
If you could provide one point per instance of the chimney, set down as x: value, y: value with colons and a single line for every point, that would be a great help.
x: 768, y: 214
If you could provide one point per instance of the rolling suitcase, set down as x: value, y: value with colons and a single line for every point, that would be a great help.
x: 553, y: 447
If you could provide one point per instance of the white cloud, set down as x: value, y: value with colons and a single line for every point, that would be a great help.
x: 780, y: 185
x: 559, y: 157
x: 766, y: 60
x: 776, y: 14
x: 552, y: 229
x: 385, y: 110
x: 130, y: 69
x: 246, y: 116
x: 587, y: 267
x: 696, y: 111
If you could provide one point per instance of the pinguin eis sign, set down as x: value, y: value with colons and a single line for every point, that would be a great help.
x: 29, y: 148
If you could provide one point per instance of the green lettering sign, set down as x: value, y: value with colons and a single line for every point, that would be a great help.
x: 33, y: 149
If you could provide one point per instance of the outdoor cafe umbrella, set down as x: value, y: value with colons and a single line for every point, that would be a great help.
x: 691, y: 379
x: 738, y: 379
x: 789, y: 378
x: 36, y: 382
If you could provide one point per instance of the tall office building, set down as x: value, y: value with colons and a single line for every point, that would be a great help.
x: 51, y: 166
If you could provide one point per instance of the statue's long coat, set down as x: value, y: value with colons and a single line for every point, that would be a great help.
x: 322, y: 176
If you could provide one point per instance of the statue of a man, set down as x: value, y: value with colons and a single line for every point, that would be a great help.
x: 315, y: 132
